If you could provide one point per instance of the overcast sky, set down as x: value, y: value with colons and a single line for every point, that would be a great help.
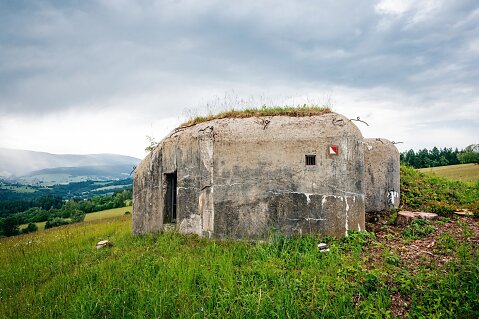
x: 99, y: 76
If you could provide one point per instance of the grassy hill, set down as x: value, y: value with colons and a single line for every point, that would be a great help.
x: 30, y: 164
x: 461, y: 172
x: 437, y: 194
x: 58, y: 273
x: 424, y: 270
x: 104, y: 214
x: 18, y: 192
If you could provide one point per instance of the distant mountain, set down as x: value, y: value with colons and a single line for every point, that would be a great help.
x: 30, y: 167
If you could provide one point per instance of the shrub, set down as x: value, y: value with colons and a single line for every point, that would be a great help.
x: 77, y: 216
x: 474, y: 208
x: 392, y: 259
x: 9, y: 226
x: 303, y: 110
x: 55, y: 222
x: 30, y: 228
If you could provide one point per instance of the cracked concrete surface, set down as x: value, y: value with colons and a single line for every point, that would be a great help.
x: 241, y: 178
x: 381, y: 179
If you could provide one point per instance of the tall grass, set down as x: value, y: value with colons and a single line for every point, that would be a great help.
x: 437, y: 194
x: 263, y: 111
x: 58, y: 273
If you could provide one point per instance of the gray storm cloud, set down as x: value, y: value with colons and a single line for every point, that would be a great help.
x: 158, y: 58
x: 58, y: 55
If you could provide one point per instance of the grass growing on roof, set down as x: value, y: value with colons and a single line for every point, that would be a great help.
x: 263, y: 111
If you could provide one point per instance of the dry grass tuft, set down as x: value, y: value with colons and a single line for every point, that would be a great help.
x: 263, y: 111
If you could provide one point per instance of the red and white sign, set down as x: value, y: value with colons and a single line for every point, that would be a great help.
x: 333, y: 150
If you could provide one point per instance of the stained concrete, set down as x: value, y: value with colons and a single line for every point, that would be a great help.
x: 243, y: 178
x: 381, y: 178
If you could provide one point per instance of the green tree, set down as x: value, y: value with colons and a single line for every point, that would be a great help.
x: 30, y: 228
x: 443, y: 161
x: 468, y: 157
x: 55, y: 222
x: 9, y: 226
x: 71, y: 205
x: 435, y: 155
x: 77, y: 216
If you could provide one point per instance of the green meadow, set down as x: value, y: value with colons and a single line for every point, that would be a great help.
x: 58, y: 273
x: 460, y: 172
x: 424, y: 270
x: 109, y: 213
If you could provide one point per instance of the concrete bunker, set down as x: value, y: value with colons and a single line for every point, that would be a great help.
x: 381, y: 179
x: 243, y: 177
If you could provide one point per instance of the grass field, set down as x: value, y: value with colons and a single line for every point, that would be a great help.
x: 461, y: 172
x: 59, y: 274
x: 109, y: 213
x: 424, y: 270
x: 437, y: 194
x: 115, y: 212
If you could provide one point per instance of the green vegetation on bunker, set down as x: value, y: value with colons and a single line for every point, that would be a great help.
x: 306, y: 110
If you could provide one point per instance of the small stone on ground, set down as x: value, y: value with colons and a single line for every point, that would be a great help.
x: 323, y: 247
x: 405, y: 217
x: 464, y: 212
x: 103, y: 243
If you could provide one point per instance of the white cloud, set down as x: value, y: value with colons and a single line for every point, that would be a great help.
x: 393, y: 7
x: 473, y: 46
x: 409, y: 11
x: 98, y: 131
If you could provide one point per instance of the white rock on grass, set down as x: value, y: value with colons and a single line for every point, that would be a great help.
x: 103, y: 243
x: 323, y: 247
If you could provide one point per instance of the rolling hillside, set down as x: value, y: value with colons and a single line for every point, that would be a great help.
x: 461, y: 172
x: 59, y: 273
x: 40, y: 168
x: 427, y: 269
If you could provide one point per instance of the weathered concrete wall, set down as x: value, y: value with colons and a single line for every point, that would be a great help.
x: 381, y: 162
x: 189, y: 153
x: 243, y: 177
x: 262, y: 181
x: 147, y: 199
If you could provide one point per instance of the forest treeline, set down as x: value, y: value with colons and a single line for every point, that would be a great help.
x: 56, y: 212
x: 15, y: 197
x: 440, y: 157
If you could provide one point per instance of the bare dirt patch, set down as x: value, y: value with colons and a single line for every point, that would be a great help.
x: 433, y: 250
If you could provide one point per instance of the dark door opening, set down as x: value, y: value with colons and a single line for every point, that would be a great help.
x: 170, y: 199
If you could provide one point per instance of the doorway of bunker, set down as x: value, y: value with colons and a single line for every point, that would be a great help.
x: 170, y: 198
